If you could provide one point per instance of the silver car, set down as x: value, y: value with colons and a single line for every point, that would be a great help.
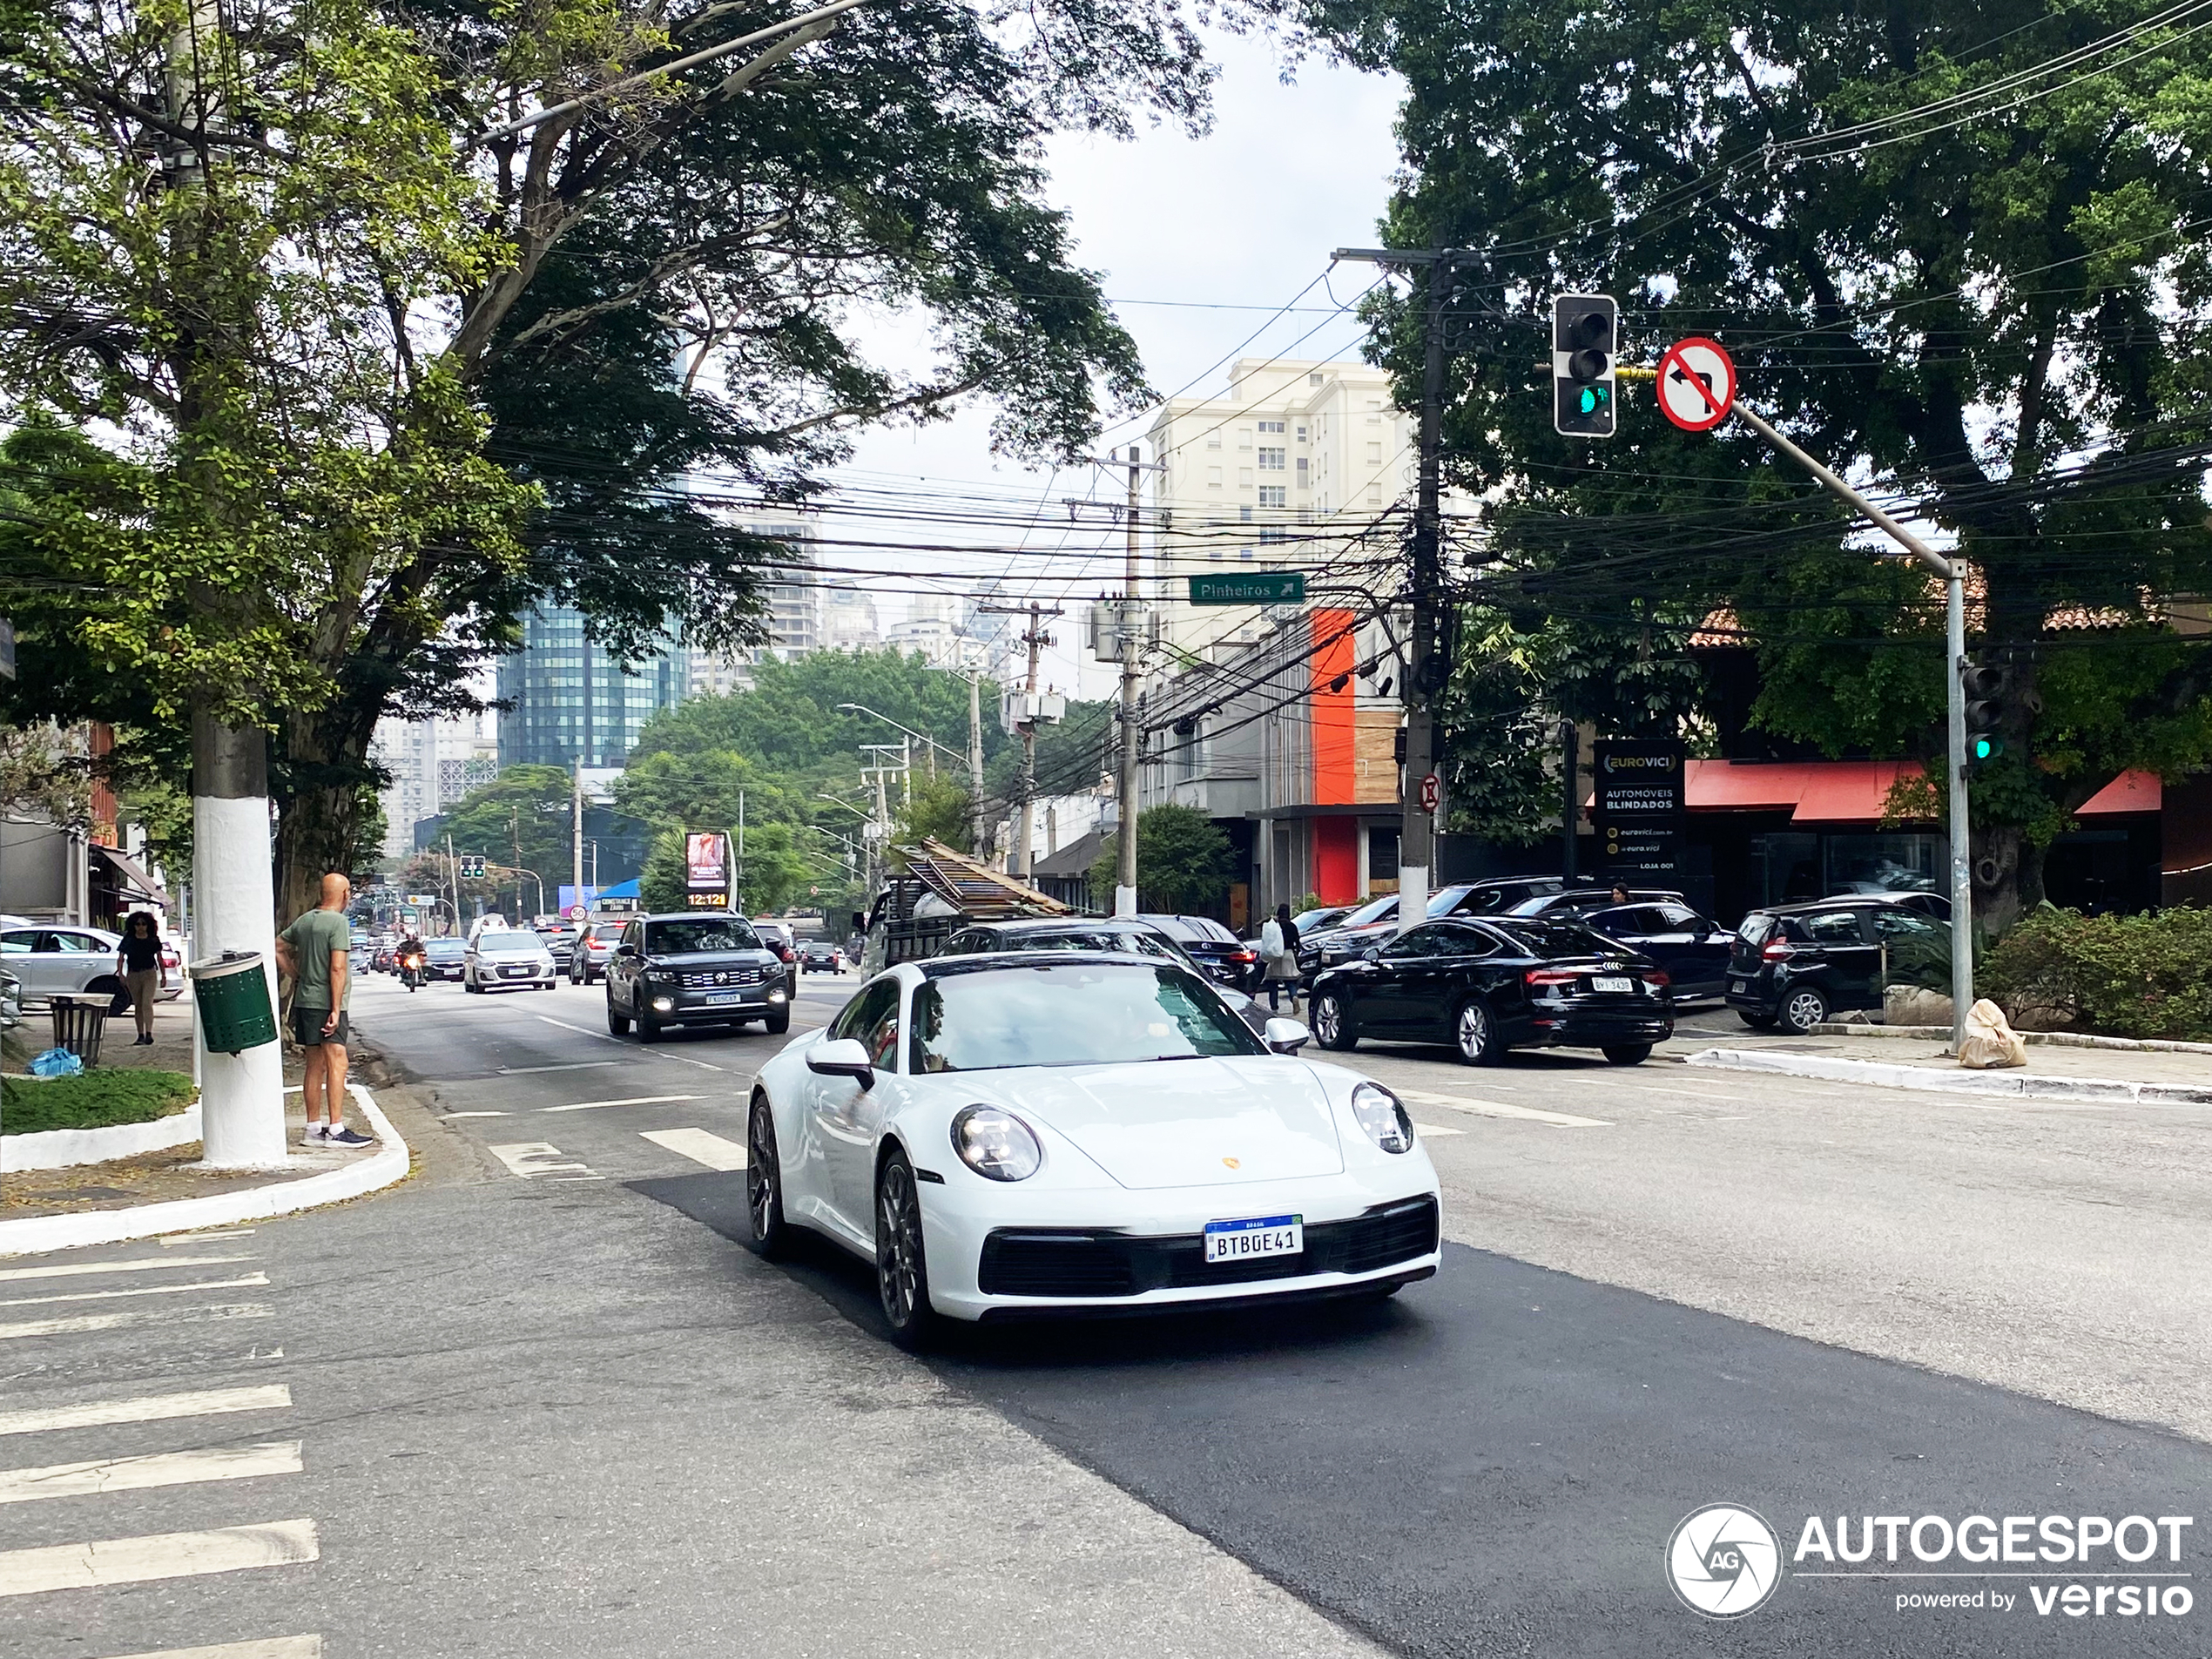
x: 508, y: 958
x: 58, y: 959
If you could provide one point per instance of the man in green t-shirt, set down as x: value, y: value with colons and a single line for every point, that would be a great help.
x: 312, y: 950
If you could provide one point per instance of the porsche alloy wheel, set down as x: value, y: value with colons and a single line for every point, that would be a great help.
x: 901, y: 1266
x: 764, y: 1186
x: 1475, y: 1034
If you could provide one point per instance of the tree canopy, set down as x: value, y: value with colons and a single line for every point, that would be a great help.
x: 1950, y: 259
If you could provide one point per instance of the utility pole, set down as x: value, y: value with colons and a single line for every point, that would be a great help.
x: 1570, y: 804
x: 1131, y: 624
x: 515, y: 830
x: 453, y: 871
x: 1036, y: 639
x: 1417, y: 828
x: 576, y: 831
x: 233, y: 884
x: 975, y: 760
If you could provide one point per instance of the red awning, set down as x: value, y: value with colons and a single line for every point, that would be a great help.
x: 1816, y: 791
x: 2131, y: 792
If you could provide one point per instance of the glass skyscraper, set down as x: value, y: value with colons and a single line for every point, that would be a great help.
x: 568, y: 698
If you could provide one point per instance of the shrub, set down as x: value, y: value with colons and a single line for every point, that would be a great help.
x: 92, y: 1100
x: 2126, y: 977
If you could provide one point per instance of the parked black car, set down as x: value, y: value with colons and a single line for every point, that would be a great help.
x: 1795, y: 964
x: 690, y: 969
x: 1490, y: 984
x: 1692, y: 948
x: 445, y: 958
x: 1376, y: 922
x: 1223, y: 957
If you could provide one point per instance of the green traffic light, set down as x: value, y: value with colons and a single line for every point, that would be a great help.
x: 1593, y: 399
x: 1987, y: 748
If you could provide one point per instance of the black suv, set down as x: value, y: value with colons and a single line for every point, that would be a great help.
x: 1795, y: 964
x: 693, y: 969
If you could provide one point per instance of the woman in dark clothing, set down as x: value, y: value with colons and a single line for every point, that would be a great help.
x: 138, y: 960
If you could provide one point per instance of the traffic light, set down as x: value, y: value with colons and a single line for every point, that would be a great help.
x: 472, y: 867
x: 1985, y: 684
x: 1585, y: 334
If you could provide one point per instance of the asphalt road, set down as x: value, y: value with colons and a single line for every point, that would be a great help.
x: 546, y: 1404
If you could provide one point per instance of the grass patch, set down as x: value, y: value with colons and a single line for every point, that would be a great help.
x: 93, y: 1100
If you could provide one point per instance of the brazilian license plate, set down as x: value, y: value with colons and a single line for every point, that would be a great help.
x: 1240, y: 1241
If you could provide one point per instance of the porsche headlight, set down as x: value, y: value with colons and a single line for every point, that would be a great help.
x: 997, y: 1144
x: 1383, y: 1117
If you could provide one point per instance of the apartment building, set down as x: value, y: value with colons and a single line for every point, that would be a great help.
x: 1298, y: 465
x: 794, y: 617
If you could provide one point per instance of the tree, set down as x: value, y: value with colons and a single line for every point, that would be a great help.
x: 665, y: 275
x: 941, y: 810
x: 1184, y: 860
x: 1989, y: 296
x: 525, y: 809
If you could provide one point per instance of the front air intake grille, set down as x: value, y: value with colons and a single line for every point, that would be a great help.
x: 1071, y: 1262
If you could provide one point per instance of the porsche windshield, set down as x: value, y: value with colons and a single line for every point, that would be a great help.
x: 1070, y: 1014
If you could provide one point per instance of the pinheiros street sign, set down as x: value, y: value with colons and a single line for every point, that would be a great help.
x: 1250, y: 587
x: 1696, y: 384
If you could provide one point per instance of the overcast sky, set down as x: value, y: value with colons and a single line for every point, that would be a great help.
x: 1244, y: 217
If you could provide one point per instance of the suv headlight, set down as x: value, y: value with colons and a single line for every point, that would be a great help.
x: 995, y: 1143
x: 1383, y: 1117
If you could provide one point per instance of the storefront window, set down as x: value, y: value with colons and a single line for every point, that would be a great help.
x: 1895, y: 863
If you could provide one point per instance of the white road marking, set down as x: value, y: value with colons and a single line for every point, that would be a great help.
x: 636, y: 1100
x: 135, y: 1264
x: 699, y: 1146
x: 1500, y: 1108
x: 148, y: 1408
x: 1433, y: 1129
x: 201, y: 1239
x: 172, y: 1554
x: 479, y: 1114
x: 119, y: 1321
x: 605, y: 1037
x: 573, y: 1065
x: 242, y: 1283
x: 157, y: 1469
x: 271, y: 1648
x: 528, y: 1158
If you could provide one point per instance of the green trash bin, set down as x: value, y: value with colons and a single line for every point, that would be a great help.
x: 233, y: 993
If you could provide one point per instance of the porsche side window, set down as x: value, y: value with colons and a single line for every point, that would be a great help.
x: 861, y: 1013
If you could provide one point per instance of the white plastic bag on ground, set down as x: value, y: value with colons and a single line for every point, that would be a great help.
x: 1991, y: 1041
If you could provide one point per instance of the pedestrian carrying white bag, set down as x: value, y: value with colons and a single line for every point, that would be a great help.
x: 1991, y: 1043
x: 1270, y: 940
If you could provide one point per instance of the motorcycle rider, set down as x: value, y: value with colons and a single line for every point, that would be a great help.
x: 410, y: 956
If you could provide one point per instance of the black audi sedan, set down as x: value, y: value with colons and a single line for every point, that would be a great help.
x: 693, y: 969
x: 1485, y: 984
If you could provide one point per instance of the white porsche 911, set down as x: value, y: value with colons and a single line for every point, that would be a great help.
x: 1008, y: 1135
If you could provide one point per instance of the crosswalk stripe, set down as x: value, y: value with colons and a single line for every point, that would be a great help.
x: 202, y: 1238
x: 119, y: 1321
x: 699, y: 1146
x: 171, y: 1554
x: 528, y: 1158
x: 640, y: 1099
x: 135, y: 1264
x: 272, y: 1648
x: 96, y: 1475
x: 248, y: 1281
x: 1500, y: 1108
x: 148, y: 1408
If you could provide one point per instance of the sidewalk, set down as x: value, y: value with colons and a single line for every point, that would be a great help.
x: 2052, y: 1072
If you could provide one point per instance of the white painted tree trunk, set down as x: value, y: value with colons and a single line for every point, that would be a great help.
x: 234, y: 894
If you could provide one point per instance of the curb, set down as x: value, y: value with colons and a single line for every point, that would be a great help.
x: 2056, y: 1039
x: 2017, y: 1084
x: 382, y: 1168
x: 64, y: 1149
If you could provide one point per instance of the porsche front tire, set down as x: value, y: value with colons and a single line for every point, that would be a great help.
x: 901, y: 1261
x: 770, y: 1234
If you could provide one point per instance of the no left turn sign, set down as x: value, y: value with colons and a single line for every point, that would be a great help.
x: 1696, y: 385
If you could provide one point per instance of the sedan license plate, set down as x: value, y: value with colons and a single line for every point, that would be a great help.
x: 722, y: 999
x: 1738, y: 987
x: 1238, y: 1241
x: 1613, y: 986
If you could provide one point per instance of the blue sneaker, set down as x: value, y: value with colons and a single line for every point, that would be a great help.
x: 346, y: 1137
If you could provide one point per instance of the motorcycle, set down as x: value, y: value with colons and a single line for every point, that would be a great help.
x: 411, y: 968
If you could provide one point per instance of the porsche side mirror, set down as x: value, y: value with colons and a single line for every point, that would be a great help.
x: 1287, y: 1036
x: 843, y: 1057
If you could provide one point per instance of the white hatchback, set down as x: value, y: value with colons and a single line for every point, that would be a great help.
x: 507, y: 960
x: 1011, y: 1135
